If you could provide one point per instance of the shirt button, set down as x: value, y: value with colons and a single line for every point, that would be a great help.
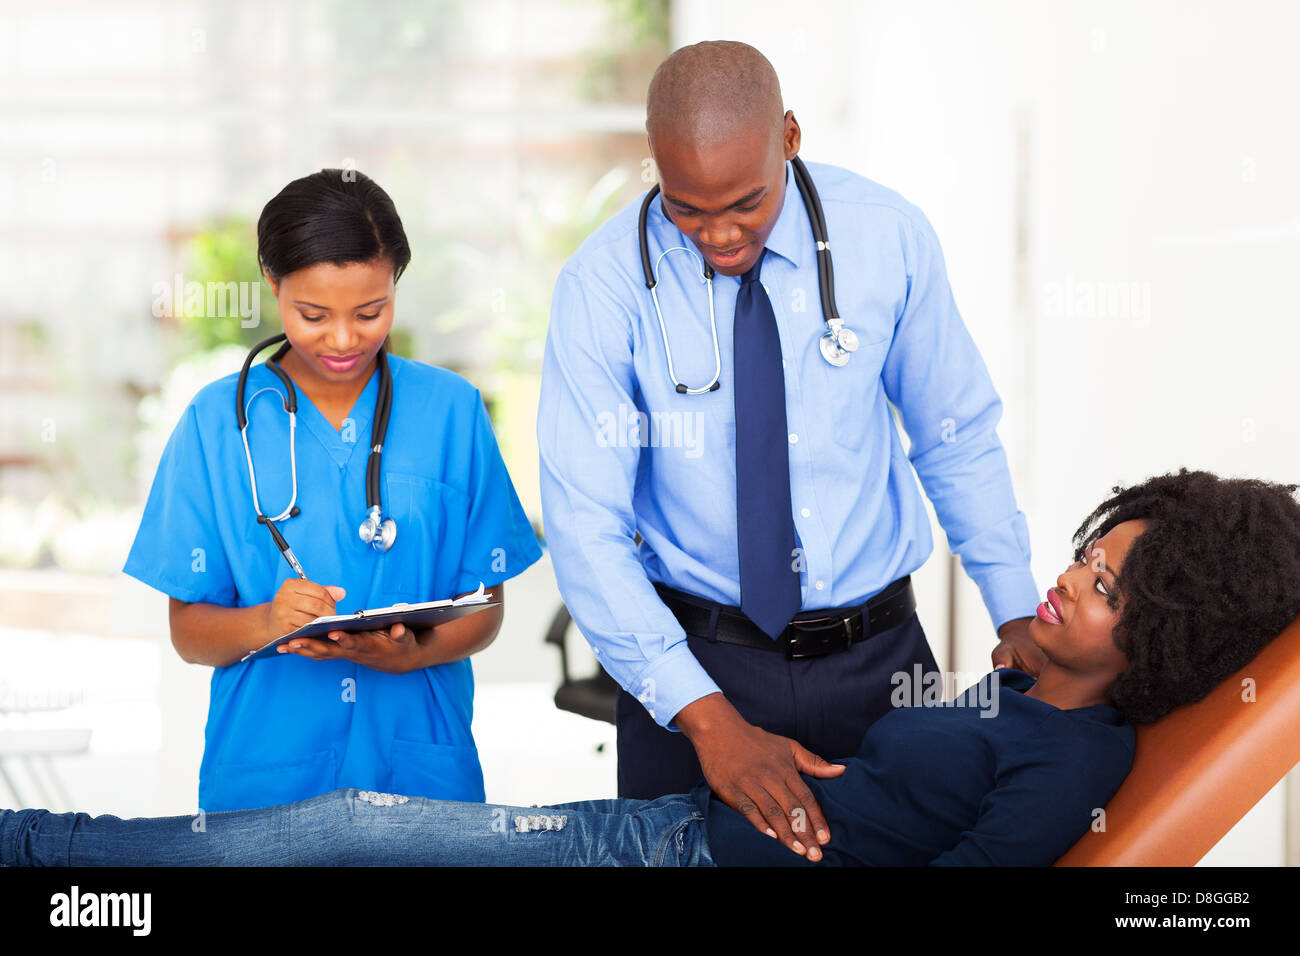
x: 794, y: 439
x: 806, y: 513
x: 783, y: 363
x: 821, y: 585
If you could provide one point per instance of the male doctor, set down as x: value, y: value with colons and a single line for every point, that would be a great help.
x: 739, y: 556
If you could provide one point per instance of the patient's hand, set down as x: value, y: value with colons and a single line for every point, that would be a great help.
x: 757, y: 773
x: 1017, y: 649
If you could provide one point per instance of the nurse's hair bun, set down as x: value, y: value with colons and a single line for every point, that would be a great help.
x: 337, y: 216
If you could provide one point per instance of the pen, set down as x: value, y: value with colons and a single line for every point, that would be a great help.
x: 284, y: 548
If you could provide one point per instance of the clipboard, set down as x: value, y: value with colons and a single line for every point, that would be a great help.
x: 414, y: 616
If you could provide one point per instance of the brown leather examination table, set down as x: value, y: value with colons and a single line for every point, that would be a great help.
x: 1197, y: 771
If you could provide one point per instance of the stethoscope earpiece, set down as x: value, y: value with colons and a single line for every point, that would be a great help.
x: 293, y: 513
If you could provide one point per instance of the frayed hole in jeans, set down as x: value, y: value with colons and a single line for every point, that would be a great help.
x: 382, y: 799
x: 527, y: 824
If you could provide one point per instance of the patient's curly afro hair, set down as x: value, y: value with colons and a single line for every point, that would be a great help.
x: 1213, y: 578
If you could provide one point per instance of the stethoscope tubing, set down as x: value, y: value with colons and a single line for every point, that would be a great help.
x: 293, y: 460
x: 289, y: 398
x: 706, y: 276
x: 825, y: 278
x: 817, y: 217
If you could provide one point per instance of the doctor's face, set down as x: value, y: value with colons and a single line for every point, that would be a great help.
x: 726, y: 197
x: 1075, y: 626
x: 336, y: 318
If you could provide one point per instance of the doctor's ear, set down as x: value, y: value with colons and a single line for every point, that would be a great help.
x: 791, y: 136
x: 274, y: 284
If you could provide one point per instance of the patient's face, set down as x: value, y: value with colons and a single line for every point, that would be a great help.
x: 1084, y: 640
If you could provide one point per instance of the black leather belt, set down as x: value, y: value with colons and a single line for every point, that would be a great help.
x: 810, y: 634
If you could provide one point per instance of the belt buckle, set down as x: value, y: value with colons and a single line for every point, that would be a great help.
x: 816, y: 637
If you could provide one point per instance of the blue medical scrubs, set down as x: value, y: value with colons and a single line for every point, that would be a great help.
x: 286, y: 728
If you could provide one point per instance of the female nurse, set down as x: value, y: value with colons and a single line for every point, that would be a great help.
x: 380, y: 710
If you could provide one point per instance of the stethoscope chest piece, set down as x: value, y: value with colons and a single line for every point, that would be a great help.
x: 378, y: 532
x: 838, y: 343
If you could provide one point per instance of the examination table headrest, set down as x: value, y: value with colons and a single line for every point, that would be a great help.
x: 1197, y: 771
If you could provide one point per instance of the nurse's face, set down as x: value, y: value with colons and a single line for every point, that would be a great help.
x: 1075, y: 626
x: 336, y: 317
x: 726, y: 197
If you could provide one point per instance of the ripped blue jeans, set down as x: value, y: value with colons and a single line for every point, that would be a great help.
x: 366, y: 828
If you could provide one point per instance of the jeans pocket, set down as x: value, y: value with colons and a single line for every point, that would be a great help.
x: 679, y: 845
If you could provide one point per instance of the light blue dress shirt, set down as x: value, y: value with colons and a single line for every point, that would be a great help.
x: 623, y: 452
x: 285, y: 728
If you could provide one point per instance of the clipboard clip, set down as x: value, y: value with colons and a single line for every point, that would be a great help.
x: 378, y: 612
x: 476, y: 598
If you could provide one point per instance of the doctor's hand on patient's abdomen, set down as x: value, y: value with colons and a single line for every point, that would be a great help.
x: 757, y: 773
x: 298, y: 602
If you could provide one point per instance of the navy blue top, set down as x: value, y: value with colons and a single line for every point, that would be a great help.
x: 955, y: 784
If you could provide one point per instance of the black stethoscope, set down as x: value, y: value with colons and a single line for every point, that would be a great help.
x: 378, y: 531
x: 837, y: 342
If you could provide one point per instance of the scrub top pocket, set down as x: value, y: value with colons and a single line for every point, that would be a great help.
x: 241, y: 786
x: 431, y: 520
x: 437, y: 771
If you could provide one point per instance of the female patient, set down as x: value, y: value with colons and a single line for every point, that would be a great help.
x: 1178, y: 582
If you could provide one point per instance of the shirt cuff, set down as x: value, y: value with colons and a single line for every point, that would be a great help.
x: 1010, y: 595
x: 671, y: 682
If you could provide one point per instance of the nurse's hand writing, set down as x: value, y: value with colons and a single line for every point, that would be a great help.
x: 757, y: 773
x: 299, y: 602
x: 393, y: 651
x: 1017, y: 649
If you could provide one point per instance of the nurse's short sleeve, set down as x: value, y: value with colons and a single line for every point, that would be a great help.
x: 178, y: 548
x: 499, y: 541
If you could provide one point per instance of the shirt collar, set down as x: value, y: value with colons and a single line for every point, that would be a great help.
x: 793, y: 229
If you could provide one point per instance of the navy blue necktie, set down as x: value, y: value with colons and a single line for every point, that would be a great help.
x: 769, y: 581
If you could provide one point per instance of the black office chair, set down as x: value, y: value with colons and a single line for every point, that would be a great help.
x: 593, y: 696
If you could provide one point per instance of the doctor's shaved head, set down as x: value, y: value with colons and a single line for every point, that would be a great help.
x: 708, y: 93
x: 720, y: 139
